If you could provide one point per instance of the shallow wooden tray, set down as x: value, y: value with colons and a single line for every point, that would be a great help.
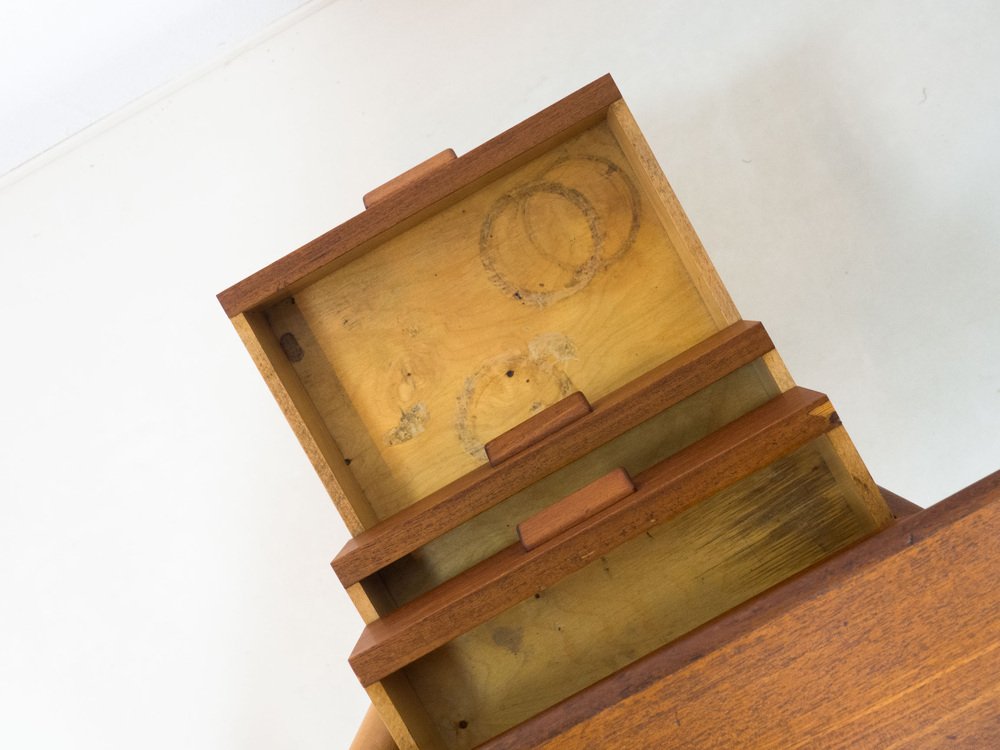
x: 466, y: 299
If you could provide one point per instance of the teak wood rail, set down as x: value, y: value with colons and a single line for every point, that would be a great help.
x: 733, y: 452
x: 613, y: 415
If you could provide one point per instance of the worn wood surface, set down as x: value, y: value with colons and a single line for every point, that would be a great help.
x: 410, y: 177
x: 533, y: 429
x: 575, y: 508
x: 662, y: 492
x: 894, y: 643
x: 635, y: 599
x: 461, y: 305
x: 436, y: 341
x: 416, y: 201
x: 613, y: 415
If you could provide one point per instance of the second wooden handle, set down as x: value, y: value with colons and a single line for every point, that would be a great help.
x: 574, y: 508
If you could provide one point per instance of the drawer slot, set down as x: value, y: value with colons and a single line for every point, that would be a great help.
x: 662, y: 492
x: 612, y: 416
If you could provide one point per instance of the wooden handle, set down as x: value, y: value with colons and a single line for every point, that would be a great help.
x: 575, y: 508
x: 423, y: 169
x: 535, y: 428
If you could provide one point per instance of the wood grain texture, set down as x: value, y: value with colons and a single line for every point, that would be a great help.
x: 613, y: 415
x: 410, y: 203
x: 307, y: 424
x: 372, y: 734
x: 642, y: 595
x: 405, y: 350
x: 894, y: 643
x: 575, y: 508
x: 533, y: 429
x: 671, y: 213
x: 410, y: 177
x: 737, y: 450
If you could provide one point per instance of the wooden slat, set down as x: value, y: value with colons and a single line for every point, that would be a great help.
x: 615, y: 414
x: 579, y: 109
x: 662, y: 492
x: 575, y: 508
x: 421, y: 171
x: 533, y: 429
x: 893, y: 643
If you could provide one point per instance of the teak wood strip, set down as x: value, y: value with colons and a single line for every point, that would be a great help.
x: 906, y: 622
x: 575, y: 508
x: 279, y: 278
x: 410, y: 176
x: 664, y: 491
x: 613, y: 415
x: 533, y: 429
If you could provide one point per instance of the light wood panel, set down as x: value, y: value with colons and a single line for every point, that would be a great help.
x: 555, y: 278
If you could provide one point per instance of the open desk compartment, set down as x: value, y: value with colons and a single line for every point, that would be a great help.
x: 473, y: 295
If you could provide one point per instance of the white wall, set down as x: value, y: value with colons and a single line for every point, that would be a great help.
x: 164, y: 543
x: 66, y: 64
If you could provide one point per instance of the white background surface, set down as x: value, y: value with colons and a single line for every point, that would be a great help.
x: 164, y: 542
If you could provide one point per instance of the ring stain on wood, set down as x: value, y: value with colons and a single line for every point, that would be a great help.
x: 571, y: 218
x: 510, y: 385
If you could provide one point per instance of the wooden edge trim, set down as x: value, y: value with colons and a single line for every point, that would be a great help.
x: 899, y: 506
x: 740, y: 621
x: 613, y: 415
x: 414, y: 174
x: 671, y: 214
x: 536, y: 427
x: 275, y: 280
x: 677, y: 483
x: 300, y: 411
x: 575, y: 508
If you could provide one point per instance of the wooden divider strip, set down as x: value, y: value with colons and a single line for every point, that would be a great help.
x: 613, y: 415
x: 662, y: 492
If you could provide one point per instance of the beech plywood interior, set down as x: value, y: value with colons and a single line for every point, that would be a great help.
x: 557, y: 277
x: 641, y: 596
